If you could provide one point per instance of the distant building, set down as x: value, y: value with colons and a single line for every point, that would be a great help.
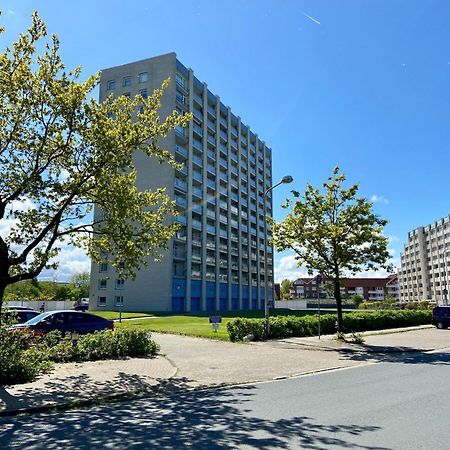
x: 371, y: 289
x: 424, y: 263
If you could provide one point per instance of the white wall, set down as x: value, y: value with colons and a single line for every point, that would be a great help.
x: 49, y: 306
x: 290, y: 304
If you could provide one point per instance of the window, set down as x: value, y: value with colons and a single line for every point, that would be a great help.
x: 111, y: 85
x: 103, y: 267
x: 143, y: 77
x: 126, y: 81
x: 143, y: 93
x: 102, y: 284
x: 119, y: 283
x: 118, y: 300
x: 101, y: 301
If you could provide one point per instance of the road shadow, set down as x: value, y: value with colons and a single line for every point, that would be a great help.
x: 402, y: 355
x: 220, y: 418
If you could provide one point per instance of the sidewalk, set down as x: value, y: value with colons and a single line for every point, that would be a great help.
x: 192, y: 363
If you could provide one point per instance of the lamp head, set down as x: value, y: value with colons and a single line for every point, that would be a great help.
x: 287, y: 179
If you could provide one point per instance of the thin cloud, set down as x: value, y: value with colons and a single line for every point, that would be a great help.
x: 379, y: 199
x: 310, y: 18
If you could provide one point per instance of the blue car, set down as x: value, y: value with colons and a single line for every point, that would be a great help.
x: 66, y: 322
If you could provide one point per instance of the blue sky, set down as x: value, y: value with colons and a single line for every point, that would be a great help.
x: 360, y: 84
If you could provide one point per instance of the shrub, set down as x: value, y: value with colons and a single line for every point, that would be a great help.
x: 20, y: 364
x: 422, y: 305
x: 239, y: 328
x: 284, y: 327
x: 23, y: 355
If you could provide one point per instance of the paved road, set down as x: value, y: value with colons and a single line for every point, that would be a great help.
x: 401, y: 404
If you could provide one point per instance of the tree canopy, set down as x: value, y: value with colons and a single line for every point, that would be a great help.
x: 285, y: 286
x: 333, y: 233
x: 61, y: 152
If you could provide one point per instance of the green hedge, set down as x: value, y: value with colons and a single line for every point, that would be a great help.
x: 287, y: 326
x: 23, y: 355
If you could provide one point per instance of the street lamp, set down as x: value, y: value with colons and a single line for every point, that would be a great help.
x: 285, y: 180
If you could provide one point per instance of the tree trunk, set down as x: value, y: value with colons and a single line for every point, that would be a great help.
x: 2, y: 293
x: 337, y: 296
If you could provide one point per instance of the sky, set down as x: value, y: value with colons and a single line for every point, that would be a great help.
x: 364, y: 85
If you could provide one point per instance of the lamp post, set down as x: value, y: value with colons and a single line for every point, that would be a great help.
x: 285, y: 180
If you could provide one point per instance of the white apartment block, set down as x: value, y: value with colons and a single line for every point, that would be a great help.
x: 424, y: 271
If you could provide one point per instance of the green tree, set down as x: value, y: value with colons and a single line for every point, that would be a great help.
x: 81, y: 281
x: 333, y: 232
x: 284, y: 288
x: 357, y: 299
x: 61, y: 152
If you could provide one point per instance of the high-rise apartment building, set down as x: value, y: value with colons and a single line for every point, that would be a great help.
x: 220, y: 259
x: 424, y: 272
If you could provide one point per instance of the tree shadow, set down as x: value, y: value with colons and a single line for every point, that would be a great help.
x: 64, y: 389
x: 219, y: 418
x: 402, y: 355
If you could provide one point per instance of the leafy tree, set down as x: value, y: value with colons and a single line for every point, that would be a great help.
x: 61, y: 152
x: 333, y: 232
x: 284, y: 288
x: 81, y: 281
x: 357, y: 299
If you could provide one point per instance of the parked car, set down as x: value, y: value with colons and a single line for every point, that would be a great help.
x: 82, y: 305
x: 66, y: 322
x: 18, y: 314
x: 441, y: 317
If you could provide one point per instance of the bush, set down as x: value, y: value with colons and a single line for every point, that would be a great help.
x: 23, y: 355
x: 284, y: 327
x: 19, y: 362
x: 422, y: 305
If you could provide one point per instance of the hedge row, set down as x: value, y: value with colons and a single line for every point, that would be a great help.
x: 24, y: 356
x: 293, y: 326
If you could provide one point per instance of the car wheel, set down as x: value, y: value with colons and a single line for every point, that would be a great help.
x: 440, y: 325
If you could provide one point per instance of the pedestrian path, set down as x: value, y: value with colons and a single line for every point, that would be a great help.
x: 192, y: 363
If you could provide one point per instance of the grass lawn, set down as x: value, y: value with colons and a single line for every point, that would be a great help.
x: 196, y: 325
x: 111, y: 315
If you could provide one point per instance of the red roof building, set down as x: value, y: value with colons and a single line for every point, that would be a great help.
x: 371, y: 289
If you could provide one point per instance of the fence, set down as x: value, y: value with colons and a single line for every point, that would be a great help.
x: 48, y: 306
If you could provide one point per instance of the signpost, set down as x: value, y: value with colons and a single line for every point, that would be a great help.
x: 318, y: 282
x: 215, y: 321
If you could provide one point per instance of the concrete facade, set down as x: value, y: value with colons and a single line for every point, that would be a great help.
x: 220, y: 259
x: 424, y: 263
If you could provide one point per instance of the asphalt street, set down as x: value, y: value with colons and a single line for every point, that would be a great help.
x: 402, y: 404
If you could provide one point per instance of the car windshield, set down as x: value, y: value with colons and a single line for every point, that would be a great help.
x: 38, y: 318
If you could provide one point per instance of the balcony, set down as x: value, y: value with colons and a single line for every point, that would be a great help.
x: 197, y: 176
x: 211, y: 111
x: 180, y: 184
x: 211, y: 140
x: 198, y: 99
x: 197, y: 130
x: 211, y: 125
x: 180, y: 201
x: 197, y: 144
x: 180, y: 150
x: 197, y: 224
x: 197, y: 160
x: 211, y: 244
